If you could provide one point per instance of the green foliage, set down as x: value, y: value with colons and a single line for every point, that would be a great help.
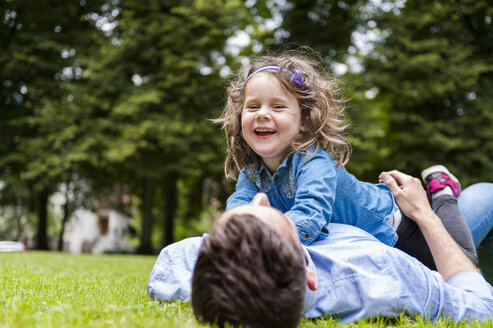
x: 163, y: 87
x: 96, y: 93
x: 328, y: 27
x: 430, y: 67
x: 325, y: 26
x: 367, y: 123
x: 435, y: 68
x: 40, y: 46
x: 115, y: 92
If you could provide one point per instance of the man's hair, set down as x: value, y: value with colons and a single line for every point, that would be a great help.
x: 247, y: 275
x: 319, y: 98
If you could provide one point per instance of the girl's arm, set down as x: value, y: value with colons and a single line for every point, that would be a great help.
x: 316, y: 182
x: 245, y: 191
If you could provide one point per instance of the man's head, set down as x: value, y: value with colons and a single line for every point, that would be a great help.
x: 251, y: 270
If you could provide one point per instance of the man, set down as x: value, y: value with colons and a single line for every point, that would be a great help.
x: 252, y: 270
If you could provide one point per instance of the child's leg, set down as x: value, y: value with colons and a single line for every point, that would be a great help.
x: 446, y: 208
x: 442, y: 187
x: 412, y: 242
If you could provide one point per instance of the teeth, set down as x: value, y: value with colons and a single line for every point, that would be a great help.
x: 264, y: 130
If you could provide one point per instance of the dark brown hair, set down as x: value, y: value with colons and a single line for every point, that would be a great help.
x: 247, y: 275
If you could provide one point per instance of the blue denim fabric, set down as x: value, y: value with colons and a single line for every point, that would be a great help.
x: 475, y: 203
x: 315, y: 192
x: 357, y: 277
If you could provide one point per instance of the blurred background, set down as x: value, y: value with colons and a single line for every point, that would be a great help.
x: 106, y: 143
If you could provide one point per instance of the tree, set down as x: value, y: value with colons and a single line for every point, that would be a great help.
x: 325, y: 26
x: 39, y: 43
x: 104, y: 92
x: 434, y: 69
x: 151, y: 92
x: 328, y: 27
x: 422, y: 96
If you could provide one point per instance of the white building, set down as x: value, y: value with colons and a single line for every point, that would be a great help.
x: 97, y: 233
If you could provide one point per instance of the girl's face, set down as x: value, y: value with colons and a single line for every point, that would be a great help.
x: 271, y: 118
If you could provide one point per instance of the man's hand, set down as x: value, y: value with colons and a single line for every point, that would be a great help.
x: 411, y: 198
x: 409, y: 194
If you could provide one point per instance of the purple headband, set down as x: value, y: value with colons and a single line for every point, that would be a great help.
x: 296, y: 76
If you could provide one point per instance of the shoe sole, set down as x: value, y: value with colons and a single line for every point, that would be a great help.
x: 438, y: 168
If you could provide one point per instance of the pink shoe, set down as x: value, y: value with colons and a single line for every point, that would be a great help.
x: 438, y: 177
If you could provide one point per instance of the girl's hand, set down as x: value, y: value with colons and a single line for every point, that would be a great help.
x: 409, y: 194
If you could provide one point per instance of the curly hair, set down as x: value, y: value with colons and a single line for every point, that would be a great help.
x: 247, y: 275
x: 321, y: 110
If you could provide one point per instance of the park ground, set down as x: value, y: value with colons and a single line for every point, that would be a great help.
x: 49, y: 289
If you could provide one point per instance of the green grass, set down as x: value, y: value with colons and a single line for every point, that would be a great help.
x: 47, y: 289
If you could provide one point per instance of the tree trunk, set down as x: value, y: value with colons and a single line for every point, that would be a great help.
x: 42, y: 208
x: 147, y: 220
x: 171, y: 203
x: 65, y: 216
x: 18, y: 215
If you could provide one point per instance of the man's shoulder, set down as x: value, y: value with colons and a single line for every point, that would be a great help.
x: 185, y: 246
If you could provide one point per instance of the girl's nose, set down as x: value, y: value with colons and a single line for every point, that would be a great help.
x: 260, y: 199
x: 262, y: 114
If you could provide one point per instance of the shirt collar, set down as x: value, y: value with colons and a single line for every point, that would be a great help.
x: 309, y: 294
x: 261, y: 176
x: 285, y: 162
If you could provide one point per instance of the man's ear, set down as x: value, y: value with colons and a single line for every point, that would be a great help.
x: 311, y: 279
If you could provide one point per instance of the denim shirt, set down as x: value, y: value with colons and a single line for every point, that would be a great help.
x: 313, y: 191
x: 357, y: 277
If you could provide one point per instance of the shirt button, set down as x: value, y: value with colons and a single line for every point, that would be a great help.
x: 276, y: 177
x: 306, y: 235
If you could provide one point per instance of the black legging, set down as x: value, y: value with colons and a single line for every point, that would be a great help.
x: 412, y: 241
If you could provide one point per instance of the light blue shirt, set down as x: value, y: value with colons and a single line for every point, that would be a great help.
x: 357, y: 277
x: 315, y: 192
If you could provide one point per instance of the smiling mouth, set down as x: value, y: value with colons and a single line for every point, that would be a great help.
x: 264, y: 132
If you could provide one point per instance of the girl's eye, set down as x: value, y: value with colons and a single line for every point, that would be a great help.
x: 251, y: 108
x: 278, y: 107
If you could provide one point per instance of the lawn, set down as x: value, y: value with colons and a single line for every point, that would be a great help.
x: 48, y: 289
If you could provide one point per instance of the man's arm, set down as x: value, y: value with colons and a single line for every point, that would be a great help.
x: 413, y: 202
x: 171, y: 276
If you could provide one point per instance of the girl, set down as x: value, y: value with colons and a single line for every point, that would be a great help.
x: 284, y: 132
